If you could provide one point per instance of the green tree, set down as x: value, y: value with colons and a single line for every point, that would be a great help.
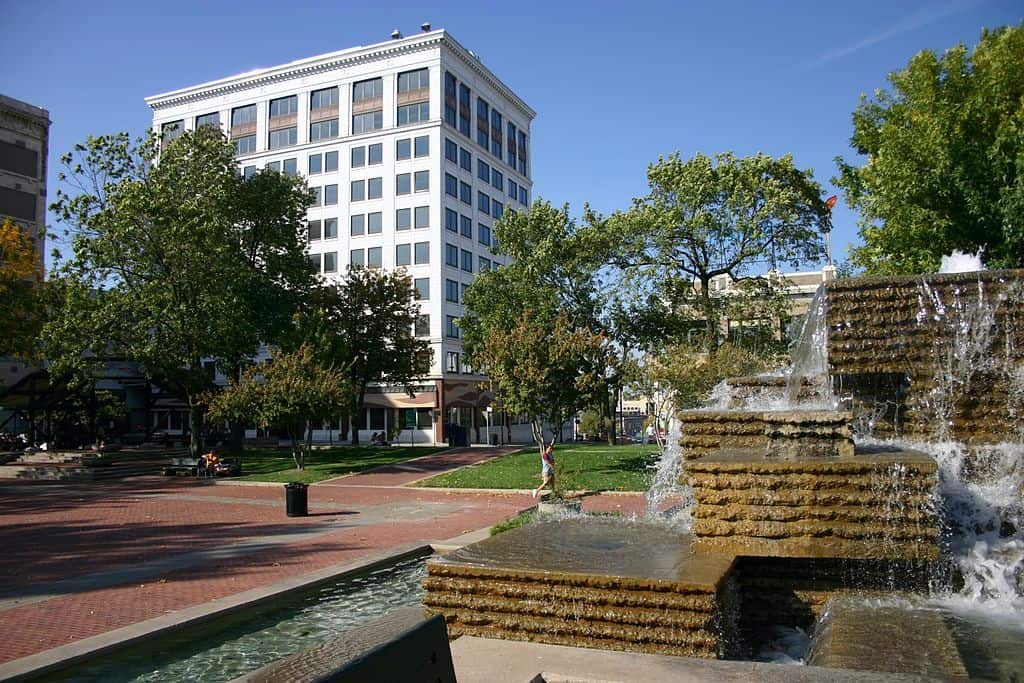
x: 177, y: 259
x: 291, y: 391
x: 691, y: 374
x: 945, y: 159
x: 21, y: 300
x: 707, y: 217
x: 365, y: 325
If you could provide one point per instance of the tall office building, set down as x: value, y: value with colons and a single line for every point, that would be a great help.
x: 413, y: 149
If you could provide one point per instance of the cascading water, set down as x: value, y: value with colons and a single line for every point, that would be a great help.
x: 810, y: 358
x: 666, y: 489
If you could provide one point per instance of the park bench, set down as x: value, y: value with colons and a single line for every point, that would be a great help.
x: 181, y: 466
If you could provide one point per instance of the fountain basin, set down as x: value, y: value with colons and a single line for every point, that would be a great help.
x: 771, y: 433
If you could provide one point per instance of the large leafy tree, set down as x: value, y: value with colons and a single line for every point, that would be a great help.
x: 177, y: 259
x: 364, y: 324
x: 722, y: 215
x: 21, y: 281
x: 945, y: 159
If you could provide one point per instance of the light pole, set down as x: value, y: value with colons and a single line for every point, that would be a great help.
x: 487, y: 416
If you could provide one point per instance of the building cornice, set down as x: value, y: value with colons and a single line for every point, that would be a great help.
x: 332, y: 61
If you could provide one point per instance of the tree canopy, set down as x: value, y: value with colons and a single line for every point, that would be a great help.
x: 21, y: 302
x: 945, y: 159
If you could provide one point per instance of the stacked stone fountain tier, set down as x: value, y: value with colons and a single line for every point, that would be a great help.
x: 596, y: 583
x: 932, y: 357
x: 770, y: 433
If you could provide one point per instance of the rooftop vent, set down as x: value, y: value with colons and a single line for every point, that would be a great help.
x: 396, y: 34
x: 425, y: 26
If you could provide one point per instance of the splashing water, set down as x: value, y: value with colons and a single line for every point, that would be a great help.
x: 810, y: 356
x: 668, y: 499
x: 959, y: 262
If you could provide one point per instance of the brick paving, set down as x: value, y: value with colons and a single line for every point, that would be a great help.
x: 66, y: 545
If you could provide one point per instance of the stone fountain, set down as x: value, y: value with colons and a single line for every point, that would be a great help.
x: 789, y: 514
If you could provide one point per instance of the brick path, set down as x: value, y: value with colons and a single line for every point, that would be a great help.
x: 84, y: 559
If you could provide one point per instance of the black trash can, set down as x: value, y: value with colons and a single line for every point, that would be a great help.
x: 296, y: 501
x: 494, y: 439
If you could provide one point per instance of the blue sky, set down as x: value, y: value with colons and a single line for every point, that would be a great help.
x: 615, y: 84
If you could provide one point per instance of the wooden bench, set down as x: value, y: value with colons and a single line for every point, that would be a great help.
x: 181, y: 466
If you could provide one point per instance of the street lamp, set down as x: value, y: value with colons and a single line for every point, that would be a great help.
x: 487, y: 416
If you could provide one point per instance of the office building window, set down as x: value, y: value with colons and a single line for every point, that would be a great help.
x: 330, y: 195
x: 358, y: 157
x: 466, y: 193
x: 374, y: 257
x: 284, y: 106
x: 403, y: 254
x: 241, y: 116
x: 485, y: 264
x: 421, y: 253
x: 248, y: 172
x: 245, y: 144
x: 358, y: 190
x: 422, y: 287
x: 421, y: 146
x: 316, y: 194
x: 496, y: 133
x: 451, y: 220
x: 313, y: 231
x: 357, y: 225
x: 466, y: 226
x: 316, y: 164
x: 450, y: 102
x: 412, y: 113
x: 464, y: 109
x: 451, y: 291
x: 374, y: 223
x: 463, y: 288
x: 422, y: 325
x: 314, y: 260
x: 483, y: 116
x: 422, y: 181
x: 285, y: 137
x: 291, y: 167
x: 403, y: 219
x: 330, y: 228
x: 331, y: 262
x: 497, y: 180
x: 451, y: 151
x: 410, y: 81
x: 374, y: 188
x: 324, y: 99
x: 375, y: 154
x: 510, y: 144
x: 451, y: 185
x: 421, y: 217
x: 330, y: 161
x: 452, y: 329
x: 212, y: 120
x: 453, y: 358
x: 451, y: 255
x: 524, y: 199
x: 403, y: 183
x: 323, y: 130
x: 467, y: 261
x: 403, y: 149
x: 483, y: 202
x: 513, y: 190
x: 370, y: 89
x: 483, y: 234
x: 364, y: 123
x: 274, y: 166
x: 497, y: 208
x: 466, y: 159
x: 522, y: 153
x: 357, y: 258
x: 483, y: 170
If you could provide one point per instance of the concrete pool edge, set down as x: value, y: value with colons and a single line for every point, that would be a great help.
x: 64, y: 656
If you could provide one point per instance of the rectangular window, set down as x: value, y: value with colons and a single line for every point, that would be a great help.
x: 374, y: 257
x: 314, y: 260
x: 464, y: 109
x: 513, y: 190
x: 451, y: 255
x: 313, y: 231
x: 421, y: 217
x: 403, y: 254
x: 330, y: 228
x: 374, y: 188
x: 421, y: 253
x: 324, y: 99
x: 357, y: 225
x: 496, y: 133
x: 331, y: 262
x: 412, y: 113
x: 421, y: 146
x: 403, y: 219
x: 451, y: 220
x: 451, y: 185
x: 522, y: 153
x: 483, y: 170
x: 466, y: 193
x: 483, y: 202
x: 466, y: 226
x: 403, y: 183
x: 403, y: 149
x: 497, y: 208
x: 422, y: 287
x: 330, y: 195
x: 285, y: 137
x: 358, y: 157
x: 274, y: 166
x: 358, y: 190
x: 245, y: 144
x: 317, y: 196
x: 316, y: 164
x: 364, y: 123
x: 453, y: 359
x: 467, y: 261
x: 463, y: 288
x: 323, y: 130
x: 422, y: 325
x: 465, y: 159
x: 330, y: 161
x: 370, y: 89
x: 450, y: 103
x: 451, y: 151
x: 483, y: 234
x: 291, y: 167
x: 375, y: 154
x: 414, y: 80
x: 374, y: 223
x: 248, y: 172
x: 212, y: 120
x: 497, y: 180
x: 241, y: 116
x: 284, y: 106
x: 356, y: 258
x: 510, y: 144
x: 524, y: 199
x: 485, y: 264
x: 483, y: 116
x: 451, y: 291
x: 452, y: 330
x: 422, y: 181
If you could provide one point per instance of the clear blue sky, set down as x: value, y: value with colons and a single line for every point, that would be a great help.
x: 615, y: 84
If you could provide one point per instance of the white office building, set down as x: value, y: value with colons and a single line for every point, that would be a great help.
x: 413, y: 149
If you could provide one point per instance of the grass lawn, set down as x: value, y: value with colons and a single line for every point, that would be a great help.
x: 277, y: 464
x: 583, y: 466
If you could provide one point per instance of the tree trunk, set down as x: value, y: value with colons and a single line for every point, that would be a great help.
x: 711, y: 321
x: 612, y: 405
x: 360, y: 397
x: 195, y: 418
